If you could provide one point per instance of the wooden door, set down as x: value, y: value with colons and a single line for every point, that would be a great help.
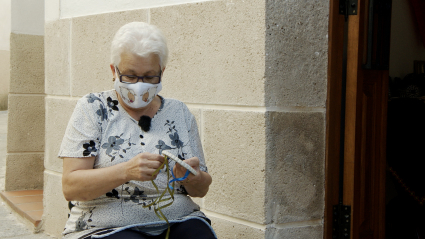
x: 365, y: 118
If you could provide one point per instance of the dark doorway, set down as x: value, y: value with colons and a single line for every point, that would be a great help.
x: 382, y: 167
x: 405, y: 194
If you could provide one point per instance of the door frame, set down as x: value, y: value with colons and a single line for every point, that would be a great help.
x: 333, y: 113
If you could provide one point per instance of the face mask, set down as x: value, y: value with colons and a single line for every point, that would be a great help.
x: 137, y: 95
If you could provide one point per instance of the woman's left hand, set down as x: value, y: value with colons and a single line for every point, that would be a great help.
x: 196, y: 186
x: 179, y: 171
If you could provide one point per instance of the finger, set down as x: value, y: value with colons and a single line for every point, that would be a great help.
x: 150, y: 172
x: 152, y: 157
x: 179, y: 171
x: 156, y: 157
x: 194, y: 162
x: 150, y: 165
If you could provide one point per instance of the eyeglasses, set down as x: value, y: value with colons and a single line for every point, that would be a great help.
x: 130, y: 79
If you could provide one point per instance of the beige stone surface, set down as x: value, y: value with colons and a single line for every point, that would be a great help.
x: 4, y: 78
x: 234, y: 146
x: 3, y: 101
x: 26, y: 123
x: 55, y: 206
x: 3, y: 141
x: 27, y: 63
x: 216, y: 51
x: 90, y: 54
x: 57, y: 66
x: 296, y: 53
x: 58, y: 113
x: 230, y: 230
x: 295, y: 166
x: 306, y: 232
x: 24, y: 171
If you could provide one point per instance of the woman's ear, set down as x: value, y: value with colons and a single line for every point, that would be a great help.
x: 112, y: 69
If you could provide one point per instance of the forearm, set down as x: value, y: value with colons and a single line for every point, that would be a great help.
x: 200, y: 187
x: 88, y: 184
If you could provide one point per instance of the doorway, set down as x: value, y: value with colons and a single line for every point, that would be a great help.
x: 405, y: 193
x: 362, y: 146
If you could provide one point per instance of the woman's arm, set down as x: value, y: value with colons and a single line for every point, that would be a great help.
x: 196, y: 186
x: 80, y: 182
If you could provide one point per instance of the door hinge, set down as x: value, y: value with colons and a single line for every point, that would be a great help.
x: 348, y: 7
x: 341, y: 222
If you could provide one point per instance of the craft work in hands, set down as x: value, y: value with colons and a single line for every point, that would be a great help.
x: 181, y: 162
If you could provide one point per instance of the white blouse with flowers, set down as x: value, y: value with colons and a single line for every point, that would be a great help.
x: 101, y: 128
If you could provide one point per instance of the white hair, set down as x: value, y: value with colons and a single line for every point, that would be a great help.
x: 139, y: 38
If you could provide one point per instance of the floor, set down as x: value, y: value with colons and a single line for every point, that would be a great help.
x: 28, y: 203
x: 12, y: 225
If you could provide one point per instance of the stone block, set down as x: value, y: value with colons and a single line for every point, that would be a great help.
x: 24, y: 171
x: 296, y: 48
x: 295, y: 166
x: 57, y: 41
x: 235, y: 149
x: 26, y: 63
x: 231, y: 230
x: 3, y: 101
x: 216, y: 51
x: 25, y: 123
x: 56, y: 209
x: 58, y: 113
x: 91, y: 49
x: 3, y: 126
x: 5, y: 76
x: 306, y: 232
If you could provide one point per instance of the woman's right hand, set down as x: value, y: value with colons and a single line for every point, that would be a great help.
x: 142, y: 166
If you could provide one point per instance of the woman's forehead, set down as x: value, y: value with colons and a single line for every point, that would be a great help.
x: 135, y: 64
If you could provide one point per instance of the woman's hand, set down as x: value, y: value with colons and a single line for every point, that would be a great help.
x: 196, y: 186
x: 179, y: 171
x: 80, y: 182
x: 143, y: 166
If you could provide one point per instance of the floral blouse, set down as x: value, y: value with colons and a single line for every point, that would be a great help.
x: 101, y: 128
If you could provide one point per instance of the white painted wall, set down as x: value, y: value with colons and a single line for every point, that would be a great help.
x: 51, y: 10
x: 75, y: 8
x: 5, y: 19
x: 405, y: 42
x: 28, y: 17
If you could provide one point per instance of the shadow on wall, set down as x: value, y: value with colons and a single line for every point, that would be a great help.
x: 3, y: 102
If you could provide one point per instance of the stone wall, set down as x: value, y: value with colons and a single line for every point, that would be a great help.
x: 4, y: 77
x: 254, y: 75
x: 295, y: 96
x: 5, y: 19
x: 25, y: 137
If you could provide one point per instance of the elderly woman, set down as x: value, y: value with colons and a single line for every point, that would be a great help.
x: 113, y: 145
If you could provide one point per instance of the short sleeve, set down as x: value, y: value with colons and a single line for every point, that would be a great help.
x: 83, y: 133
x: 196, y: 145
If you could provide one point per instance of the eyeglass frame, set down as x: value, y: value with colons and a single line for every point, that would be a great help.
x: 138, y: 77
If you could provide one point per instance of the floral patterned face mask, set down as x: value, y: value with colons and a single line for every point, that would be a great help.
x: 137, y: 95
